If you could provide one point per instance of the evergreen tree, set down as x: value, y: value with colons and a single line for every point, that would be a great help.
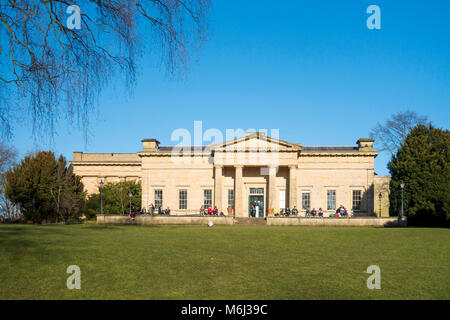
x: 423, y: 164
x: 44, y: 188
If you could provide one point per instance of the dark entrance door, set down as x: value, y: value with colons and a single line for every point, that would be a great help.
x: 258, y: 202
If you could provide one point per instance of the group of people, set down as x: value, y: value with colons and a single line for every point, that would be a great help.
x: 285, y: 212
x: 151, y: 210
x: 342, y: 212
x: 210, y: 211
x: 314, y: 213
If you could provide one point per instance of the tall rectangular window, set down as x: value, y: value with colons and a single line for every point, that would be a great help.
x: 158, y: 198
x: 282, y: 199
x: 231, y: 198
x: 207, y: 198
x: 306, y: 200
x: 182, y: 199
x: 331, y: 199
x: 356, y: 202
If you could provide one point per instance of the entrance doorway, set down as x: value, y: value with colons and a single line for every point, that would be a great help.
x: 258, y: 202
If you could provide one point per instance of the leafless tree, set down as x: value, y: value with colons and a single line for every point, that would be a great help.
x: 63, y: 189
x: 51, y: 69
x: 7, y: 160
x: 390, y: 135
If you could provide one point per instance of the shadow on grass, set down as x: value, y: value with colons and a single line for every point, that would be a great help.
x: 119, y: 226
x: 9, y: 231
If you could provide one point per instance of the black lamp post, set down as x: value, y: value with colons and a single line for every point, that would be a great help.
x: 402, y: 186
x: 130, y: 195
x: 101, y: 196
x: 379, y: 197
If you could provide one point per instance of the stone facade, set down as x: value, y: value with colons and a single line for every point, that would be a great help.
x: 270, y: 221
x: 234, y: 173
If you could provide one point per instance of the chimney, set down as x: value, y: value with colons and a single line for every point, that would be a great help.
x: 150, y: 145
x: 77, y: 156
x: 365, y: 145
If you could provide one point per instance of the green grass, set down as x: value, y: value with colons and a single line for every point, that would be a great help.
x: 222, y: 262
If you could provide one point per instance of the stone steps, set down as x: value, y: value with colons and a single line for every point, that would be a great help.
x: 250, y: 221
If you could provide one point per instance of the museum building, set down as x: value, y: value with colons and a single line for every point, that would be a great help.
x: 251, y: 170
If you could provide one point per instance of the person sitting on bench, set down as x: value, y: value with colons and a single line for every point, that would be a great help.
x: 288, y: 212
x: 294, y: 211
x: 320, y: 212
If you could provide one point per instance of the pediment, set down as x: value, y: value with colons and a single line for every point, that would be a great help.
x: 257, y: 142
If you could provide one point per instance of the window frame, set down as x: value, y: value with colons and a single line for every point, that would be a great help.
x: 357, y: 208
x: 256, y: 191
x: 206, y: 200
x: 230, y: 198
x: 306, y: 192
x: 282, y: 199
x: 332, y: 199
x: 182, y: 201
x: 158, y: 200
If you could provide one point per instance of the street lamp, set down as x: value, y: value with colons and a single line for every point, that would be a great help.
x: 130, y: 195
x: 101, y: 196
x: 379, y: 197
x: 402, y: 185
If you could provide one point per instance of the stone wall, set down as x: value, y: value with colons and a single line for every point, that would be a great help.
x: 164, y: 220
x: 381, y: 185
x: 271, y: 221
x: 336, y: 222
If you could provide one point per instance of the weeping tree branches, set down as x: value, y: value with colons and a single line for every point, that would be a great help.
x: 50, y: 69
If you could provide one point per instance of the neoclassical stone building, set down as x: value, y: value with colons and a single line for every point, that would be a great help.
x: 253, y: 169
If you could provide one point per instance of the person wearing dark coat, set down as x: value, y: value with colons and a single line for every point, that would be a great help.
x: 288, y: 212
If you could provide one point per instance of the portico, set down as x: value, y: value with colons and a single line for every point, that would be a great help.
x: 252, y: 181
x: 253, y: 169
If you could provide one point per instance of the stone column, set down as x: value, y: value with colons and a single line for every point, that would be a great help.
x: 238, y: 191
x: 218, y: 188
x: 292, y: 186
x: 272, y: 180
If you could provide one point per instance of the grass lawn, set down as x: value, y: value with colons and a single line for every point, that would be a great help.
x: 223, y: 262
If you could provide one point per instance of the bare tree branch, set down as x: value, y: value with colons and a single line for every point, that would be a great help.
x: 391, y: 135
x: 50, y: 71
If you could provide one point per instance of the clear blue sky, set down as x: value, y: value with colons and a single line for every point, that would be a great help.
x: 311, y: 69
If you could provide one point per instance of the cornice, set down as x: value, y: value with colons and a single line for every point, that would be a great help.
x: 104, y: 163
x: 338, y: 154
